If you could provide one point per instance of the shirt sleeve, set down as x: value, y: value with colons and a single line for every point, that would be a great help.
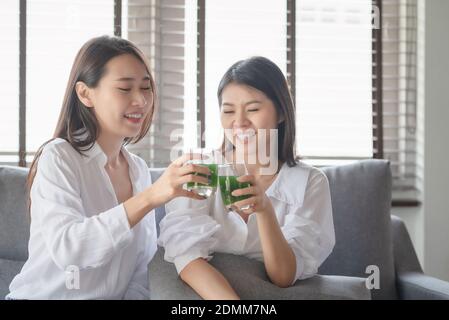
x: 72, y: 237
x: 309, y: 229
x: 187, y: 231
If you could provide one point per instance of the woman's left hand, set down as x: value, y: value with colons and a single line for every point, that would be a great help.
x: 258, y: 202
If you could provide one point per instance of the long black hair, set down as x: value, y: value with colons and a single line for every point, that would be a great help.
x: 264, y: 75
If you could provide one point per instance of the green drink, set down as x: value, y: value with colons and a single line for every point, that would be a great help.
x: 205, y: 190
x: 227, y: 185
x: 227, y: 178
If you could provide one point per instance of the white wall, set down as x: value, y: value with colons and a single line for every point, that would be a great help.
x: 436, y: 143
x: 428, y: 225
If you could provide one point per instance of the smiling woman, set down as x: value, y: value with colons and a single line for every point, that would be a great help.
x: 91, y: 201
x: 251, y: 100
x: 282, y: 217
x: 127, y: 87
x: 92, y: 84
x: 131, y: 97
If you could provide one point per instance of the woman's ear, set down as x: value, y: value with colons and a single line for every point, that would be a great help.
x: 84, y: 94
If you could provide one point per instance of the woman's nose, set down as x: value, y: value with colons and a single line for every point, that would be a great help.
x: 139, y: 100
x: 240, y: 118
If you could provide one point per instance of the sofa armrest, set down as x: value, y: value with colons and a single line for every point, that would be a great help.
x: 405, y: 258
x: 249, y: 280
x: 411, y: 282
x: 416, y: 285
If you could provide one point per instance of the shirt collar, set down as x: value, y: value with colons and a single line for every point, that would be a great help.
x: 290, y: 184
x: 97, y: 154
x: 92, y: 151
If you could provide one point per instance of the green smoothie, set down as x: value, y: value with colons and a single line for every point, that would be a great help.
x: 205, y: 189
x: 227, y: 185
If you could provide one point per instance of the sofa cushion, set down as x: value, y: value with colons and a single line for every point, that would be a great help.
x: 361, y: 200
x: 14, y: 216
x: 8, y: 270
x: 249, y: 280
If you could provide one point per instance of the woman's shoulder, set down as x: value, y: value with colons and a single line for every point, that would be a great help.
x: 303, y: 172
x: 57, y: 163
x: 294, y: 181
x: 59, y: 151
x: 60, y: 147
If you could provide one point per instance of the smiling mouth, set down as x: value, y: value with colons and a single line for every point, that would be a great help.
x: 134, y: 117
x: 245, y: 136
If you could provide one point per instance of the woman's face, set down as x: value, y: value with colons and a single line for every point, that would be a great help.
x: 123, y: 98
x: 244, y: 111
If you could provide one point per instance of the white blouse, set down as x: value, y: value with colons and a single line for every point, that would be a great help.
x: 301, y: 199
x: 79, y: 231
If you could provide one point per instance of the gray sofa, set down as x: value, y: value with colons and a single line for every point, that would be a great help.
x: 366, y: 235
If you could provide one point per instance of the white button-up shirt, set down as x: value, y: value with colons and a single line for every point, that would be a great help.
x: 300, y: 197
x: 81, y: 245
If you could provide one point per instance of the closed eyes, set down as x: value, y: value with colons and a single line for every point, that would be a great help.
x: 249, y: 110
x: 129, y: 89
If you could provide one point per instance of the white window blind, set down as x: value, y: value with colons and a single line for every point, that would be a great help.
x: 237, y: 30
x: 333, y: 80
x: 333, y: 72
x: 158, y: 27
x: 9, y: 82
x: 56, y: 30
x: 399, y: 95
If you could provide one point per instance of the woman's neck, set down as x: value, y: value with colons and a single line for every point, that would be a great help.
x: 111, y: 146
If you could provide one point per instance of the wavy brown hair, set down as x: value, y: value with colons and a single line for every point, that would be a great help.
x: 75, y: 118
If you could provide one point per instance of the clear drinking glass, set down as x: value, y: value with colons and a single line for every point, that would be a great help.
x: 227, y: 177
x: 208, y: 159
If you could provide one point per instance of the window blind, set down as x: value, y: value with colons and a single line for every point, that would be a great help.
x: 334, y: 80
x: 56, y: 30
x: 158, y: 27
x: 399, y: 96
x: 336, y: 39
x: 333, y: 62
x: 9, y: 82
x: 236, y: 30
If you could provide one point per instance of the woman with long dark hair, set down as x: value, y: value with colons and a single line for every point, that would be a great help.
x: 286, y: 219
x: 93, y: 227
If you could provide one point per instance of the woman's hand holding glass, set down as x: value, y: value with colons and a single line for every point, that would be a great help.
x: 209, y: 159
x: 257, y: 200
x: 176, y: 175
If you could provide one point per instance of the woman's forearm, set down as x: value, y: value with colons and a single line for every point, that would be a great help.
x: 207, y: 281
x: 279, y: 259
x: 138, y: 206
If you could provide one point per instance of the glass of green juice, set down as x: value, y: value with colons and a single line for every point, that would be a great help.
x: 227, y: 179
x: 205, y: 190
